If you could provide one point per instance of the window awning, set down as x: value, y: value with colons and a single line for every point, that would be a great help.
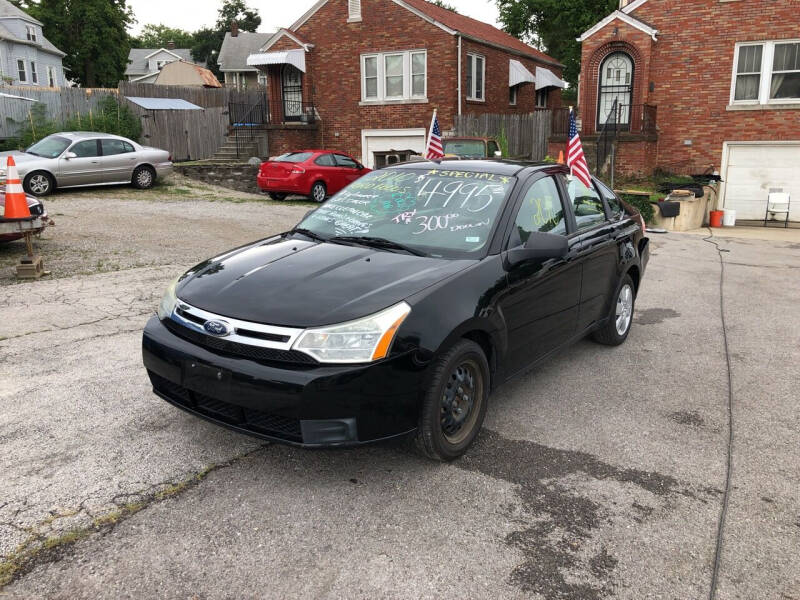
x: 546, y: 78
x: 517, y: 73
x: 296, y: 58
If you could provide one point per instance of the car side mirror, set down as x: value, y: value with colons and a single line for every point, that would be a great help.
x: 540, y: 247
x: 69, y: 155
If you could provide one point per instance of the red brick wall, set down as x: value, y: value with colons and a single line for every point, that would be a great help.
x: 284, y: 139
x: 333, y: 78
x: 690, y: 67
x: 497, y: 89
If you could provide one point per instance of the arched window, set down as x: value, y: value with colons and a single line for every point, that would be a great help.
x: 616, y: 84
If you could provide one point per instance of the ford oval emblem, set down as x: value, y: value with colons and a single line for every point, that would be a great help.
x: 217, y: 328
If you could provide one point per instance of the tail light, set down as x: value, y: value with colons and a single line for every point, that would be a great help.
x: 298, y: 171
x: 169, y: 158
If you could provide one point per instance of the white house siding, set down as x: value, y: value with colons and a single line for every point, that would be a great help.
x: 10, y: 52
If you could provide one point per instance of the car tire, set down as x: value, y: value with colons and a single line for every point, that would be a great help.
x: 39, y: 183
x: 319, y: 192
x: 144, y: 178
x: 458, y: 379
x: 276, y: 195
x: 616, y: 330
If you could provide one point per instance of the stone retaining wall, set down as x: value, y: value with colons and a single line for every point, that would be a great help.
x: 236, y: 177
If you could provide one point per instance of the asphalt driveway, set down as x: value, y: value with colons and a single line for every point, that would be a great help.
x: 598, y: 475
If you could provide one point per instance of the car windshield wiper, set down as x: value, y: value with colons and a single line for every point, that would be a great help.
x: 34, y: 153
x: 377, y: 242
x: 308, y: 233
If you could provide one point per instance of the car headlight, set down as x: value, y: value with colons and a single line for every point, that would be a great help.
x: 362, y: 340
x: 169, y: 301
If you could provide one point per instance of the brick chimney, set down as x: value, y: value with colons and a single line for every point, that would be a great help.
x: 234, y: 29
x: 170, y: 45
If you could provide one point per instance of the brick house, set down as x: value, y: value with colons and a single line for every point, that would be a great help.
x: 364, y: 76
x: 704, y: 85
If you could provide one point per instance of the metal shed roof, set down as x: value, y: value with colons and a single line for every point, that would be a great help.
x: 163, y: 103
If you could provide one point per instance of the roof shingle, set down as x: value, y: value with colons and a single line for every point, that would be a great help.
x: 478, y: 29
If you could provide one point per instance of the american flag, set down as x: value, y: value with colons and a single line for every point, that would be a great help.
x: 576, y: 160
x: 435, y: 148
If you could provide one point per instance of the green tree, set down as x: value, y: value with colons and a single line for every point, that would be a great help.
x: 445, y: 5
x: 158, y: 36
x: 237, y: 10
x: 93, y: 33
x: 208, y: 41
x: 553, y: 26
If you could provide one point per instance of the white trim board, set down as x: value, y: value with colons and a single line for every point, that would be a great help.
x: 278, y: 35
x: 302, y: 20
x: 618, y: 14
x: 178, y: 56
x: 633, y: 6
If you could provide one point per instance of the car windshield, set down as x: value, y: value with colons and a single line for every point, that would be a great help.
x: 294, y: 157
x: 50, y: 147
x: 473, y: 148
x: 441, y: 212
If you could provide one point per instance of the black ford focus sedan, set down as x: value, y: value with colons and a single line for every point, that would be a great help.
x: 396, y: 307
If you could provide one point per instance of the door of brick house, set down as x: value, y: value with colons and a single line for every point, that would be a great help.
x: 616, y: 84
x: 292, y: 93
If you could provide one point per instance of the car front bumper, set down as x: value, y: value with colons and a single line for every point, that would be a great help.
x: 305, y: 404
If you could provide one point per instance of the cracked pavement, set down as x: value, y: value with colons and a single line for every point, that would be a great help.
x: 598, y: 475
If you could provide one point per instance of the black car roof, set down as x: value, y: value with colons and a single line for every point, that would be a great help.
x: 499, y: 167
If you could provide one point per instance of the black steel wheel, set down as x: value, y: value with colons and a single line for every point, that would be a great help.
x: 143, y: 177
x: 455, y: 402
x: 39, y: 183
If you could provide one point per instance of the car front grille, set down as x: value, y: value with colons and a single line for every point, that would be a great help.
x: 223, y: 346
x: 250, y: 419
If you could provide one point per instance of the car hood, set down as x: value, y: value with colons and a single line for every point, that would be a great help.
x: 305, y: 284
x: 20, y: 158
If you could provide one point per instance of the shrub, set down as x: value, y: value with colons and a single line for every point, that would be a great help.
x: 110, y: 117
x: 642, y: 204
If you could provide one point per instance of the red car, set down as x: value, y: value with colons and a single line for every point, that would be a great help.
x: 314, y: 173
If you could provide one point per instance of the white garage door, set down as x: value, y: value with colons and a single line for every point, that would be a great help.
x: 752, y: 169
x: 385, y: 140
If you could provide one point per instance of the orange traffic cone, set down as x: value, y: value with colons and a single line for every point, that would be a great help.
x: 16, y: 203
x: 560, y: 157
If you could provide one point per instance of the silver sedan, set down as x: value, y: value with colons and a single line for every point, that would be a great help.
x: 79, y: 158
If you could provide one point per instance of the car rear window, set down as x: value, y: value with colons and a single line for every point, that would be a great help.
x: 294, y: 157
x: 611, y: 198
x: 468, y: 148
x: 325, y: 160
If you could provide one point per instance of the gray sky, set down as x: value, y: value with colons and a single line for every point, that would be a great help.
x: 194, y: 14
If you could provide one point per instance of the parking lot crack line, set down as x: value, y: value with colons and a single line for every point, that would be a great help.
x: 729, y: 462
x: 45, y: 544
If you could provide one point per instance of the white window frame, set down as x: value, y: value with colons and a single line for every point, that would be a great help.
x: 513, y: 93
x: 34, y: 73
x: 471, y: 96
x: 30, y: 32
x: 765, y: 82
x: 25, y: 69
x: 52, y: 76
x: 407, y: 94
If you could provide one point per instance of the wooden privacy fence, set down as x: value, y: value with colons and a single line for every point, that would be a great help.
x: 526, y: 134
x: 59, y: 103
x: 186, y: 134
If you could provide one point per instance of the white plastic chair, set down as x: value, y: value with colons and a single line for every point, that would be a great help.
x: 778, y: 203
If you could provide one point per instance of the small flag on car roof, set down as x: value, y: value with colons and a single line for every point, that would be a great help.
x: 435, y: 148
x: 576, y: 160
